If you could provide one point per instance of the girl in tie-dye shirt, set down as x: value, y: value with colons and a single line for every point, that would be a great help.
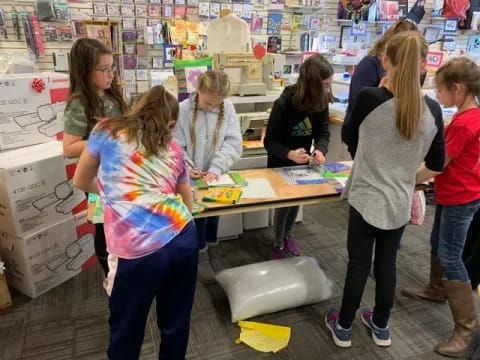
x: 140, y: 175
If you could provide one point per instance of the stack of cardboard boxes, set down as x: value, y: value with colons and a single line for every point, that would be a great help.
x: 44, y: 235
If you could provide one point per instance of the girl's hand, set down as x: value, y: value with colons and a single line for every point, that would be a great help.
x: 318, y: 157
x: 195, y: 174
x: 299, y: 156
x: 208, y: 177
x: 384, y: 81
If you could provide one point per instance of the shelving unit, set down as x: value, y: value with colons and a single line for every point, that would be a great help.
x: 115, y: 39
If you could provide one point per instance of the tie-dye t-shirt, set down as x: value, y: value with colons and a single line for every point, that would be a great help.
x: 142, y: 212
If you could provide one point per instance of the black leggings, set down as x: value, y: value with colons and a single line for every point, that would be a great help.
x: 101, y: 247
x: 360, y: 240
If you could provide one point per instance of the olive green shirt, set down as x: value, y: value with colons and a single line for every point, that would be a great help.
x: 75, y: 119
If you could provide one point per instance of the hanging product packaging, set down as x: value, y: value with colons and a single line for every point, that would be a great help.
x: 37, y: 34
x: 187, y: 72
x: 16, y: 23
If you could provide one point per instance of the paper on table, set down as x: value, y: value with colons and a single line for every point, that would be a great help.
x: 224, y: 180
x: 342, y: 181
x: 258, y: 189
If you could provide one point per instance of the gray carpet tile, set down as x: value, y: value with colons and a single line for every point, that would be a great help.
x: 71, y: 321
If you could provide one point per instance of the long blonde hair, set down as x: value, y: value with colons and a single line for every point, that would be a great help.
x: 379, y: 47
x: 212, y: 82
x: 405, y: 52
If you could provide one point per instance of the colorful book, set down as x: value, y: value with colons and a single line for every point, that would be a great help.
x: 256, y: 23
x: 97, y: 214
x: 198, y: 208
x: 274, y: 23
x: 101, y: 33
x: 232, y: 179
x: 223, y: 195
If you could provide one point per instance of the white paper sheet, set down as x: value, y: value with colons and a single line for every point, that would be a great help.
x: 258, y: 189
x: 342, y: 181
x: 224, y: 180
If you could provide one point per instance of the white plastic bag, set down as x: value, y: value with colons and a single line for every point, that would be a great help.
x: 274, y: 285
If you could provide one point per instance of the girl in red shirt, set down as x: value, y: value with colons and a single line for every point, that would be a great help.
x: 457, y: 192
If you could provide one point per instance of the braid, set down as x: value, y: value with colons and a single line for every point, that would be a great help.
x: 192, y: 125
x: 221, y: 115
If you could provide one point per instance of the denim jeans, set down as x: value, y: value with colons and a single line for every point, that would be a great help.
x: 448, y: 237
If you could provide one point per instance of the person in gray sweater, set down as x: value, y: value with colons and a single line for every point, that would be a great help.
x: 209, y: 133
x: 393, y: 130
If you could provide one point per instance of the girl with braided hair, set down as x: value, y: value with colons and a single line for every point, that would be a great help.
x: 209, y: 133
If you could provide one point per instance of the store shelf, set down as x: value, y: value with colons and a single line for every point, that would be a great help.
x: 370, y: 22
x: 269, y: 98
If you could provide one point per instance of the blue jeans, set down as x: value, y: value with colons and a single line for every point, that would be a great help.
x: 448, y: 237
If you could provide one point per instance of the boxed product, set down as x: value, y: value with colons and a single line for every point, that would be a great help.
x: 31, y: 108
x: 36, y: 188
x: 43, y: 260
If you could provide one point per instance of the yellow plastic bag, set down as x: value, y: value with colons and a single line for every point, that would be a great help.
x: 263, y: 337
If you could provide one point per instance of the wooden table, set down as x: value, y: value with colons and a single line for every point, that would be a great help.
x: 287, y: 195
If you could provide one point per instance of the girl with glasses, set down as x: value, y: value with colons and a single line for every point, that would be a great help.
x: 94, y: 94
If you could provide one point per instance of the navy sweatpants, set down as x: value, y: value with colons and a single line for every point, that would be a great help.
x: 168, y: 275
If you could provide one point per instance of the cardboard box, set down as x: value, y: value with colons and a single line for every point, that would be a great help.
x: 36, y: 189
x: 28, y: 116
x: 230, y: 226
x: 43, y: 260
x: 256, y: 220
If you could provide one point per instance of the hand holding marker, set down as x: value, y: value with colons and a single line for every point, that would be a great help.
x: 195, y: 173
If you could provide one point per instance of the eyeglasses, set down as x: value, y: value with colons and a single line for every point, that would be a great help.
x: 105, y: 71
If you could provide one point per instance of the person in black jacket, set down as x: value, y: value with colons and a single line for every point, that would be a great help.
x: 298, y: 119
x: 370, y: 72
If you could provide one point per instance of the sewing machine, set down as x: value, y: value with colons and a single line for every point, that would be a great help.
x: 245, y: 72
x: 252, y: 124
x: 249, y: 75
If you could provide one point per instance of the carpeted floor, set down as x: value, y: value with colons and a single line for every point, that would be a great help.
x: 71, y: 321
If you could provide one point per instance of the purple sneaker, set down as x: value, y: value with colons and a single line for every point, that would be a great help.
x: 291, y: 246
x: 278, y: 253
